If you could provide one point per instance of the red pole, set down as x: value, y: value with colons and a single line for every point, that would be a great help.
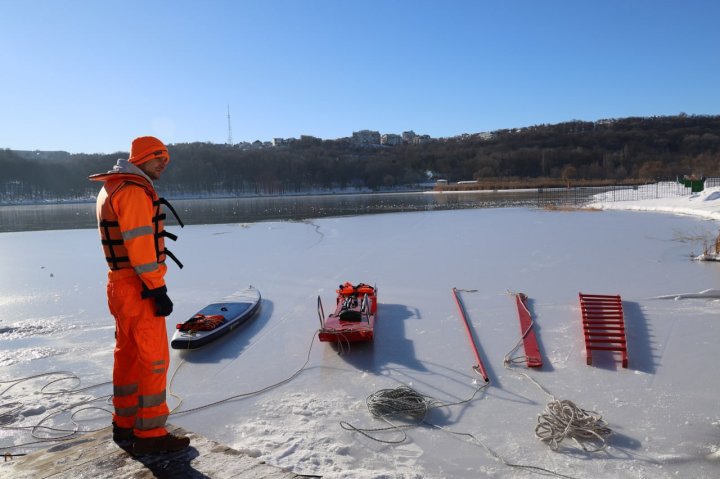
x: 480, y: 368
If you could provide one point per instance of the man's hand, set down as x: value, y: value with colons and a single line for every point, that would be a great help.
x: 163, y: 304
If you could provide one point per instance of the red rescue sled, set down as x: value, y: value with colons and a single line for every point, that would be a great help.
x: 354, y: 316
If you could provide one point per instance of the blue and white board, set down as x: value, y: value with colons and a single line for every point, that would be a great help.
x: 242, y: 306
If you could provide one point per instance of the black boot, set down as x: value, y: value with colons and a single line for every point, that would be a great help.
x: 122, y: 434
x: 159, y: 445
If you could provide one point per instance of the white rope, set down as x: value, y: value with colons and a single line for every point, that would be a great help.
x: 403, y: 403
x: 8, y: 411
x: 45, y: 434
x: 563, y: 419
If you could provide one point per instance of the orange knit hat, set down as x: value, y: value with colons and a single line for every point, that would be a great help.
x: 145, y: 148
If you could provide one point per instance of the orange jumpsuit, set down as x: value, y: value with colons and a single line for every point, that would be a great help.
x: 132, y: 233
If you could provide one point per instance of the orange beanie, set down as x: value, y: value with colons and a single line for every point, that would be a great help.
x: 145, y: 148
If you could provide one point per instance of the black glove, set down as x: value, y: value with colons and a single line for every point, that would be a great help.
x: 163, y: 305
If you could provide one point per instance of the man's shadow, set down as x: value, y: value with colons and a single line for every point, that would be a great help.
x: 173, y: 465
x: 168, y: 465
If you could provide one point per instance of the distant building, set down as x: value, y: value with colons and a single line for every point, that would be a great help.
x: 391, y: 139
x: 366, y: 137
x: 421, y: 139
x: 408, y: 136
x: 280, y: 141
x: 484, y: 136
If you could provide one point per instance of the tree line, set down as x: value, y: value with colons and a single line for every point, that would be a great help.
x: 629, y: 149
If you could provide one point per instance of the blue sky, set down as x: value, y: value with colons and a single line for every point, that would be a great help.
x: 88, y: 76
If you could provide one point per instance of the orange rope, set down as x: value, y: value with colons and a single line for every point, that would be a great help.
x: 200, y: 322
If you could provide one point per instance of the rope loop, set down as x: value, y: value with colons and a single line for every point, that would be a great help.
x: 563, y: 419
x: 403, y: 401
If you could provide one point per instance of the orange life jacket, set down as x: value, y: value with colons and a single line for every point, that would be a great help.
x: 348, y: 289
x: 114, y: 240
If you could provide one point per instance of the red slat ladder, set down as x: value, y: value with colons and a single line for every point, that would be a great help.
x: 603, y: 325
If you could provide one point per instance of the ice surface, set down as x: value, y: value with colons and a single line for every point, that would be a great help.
x: 663, y: 409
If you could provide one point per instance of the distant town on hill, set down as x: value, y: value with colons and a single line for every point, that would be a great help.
x: 635, y: 149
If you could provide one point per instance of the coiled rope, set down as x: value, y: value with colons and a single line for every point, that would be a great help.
x: 563, y: 419
x: 401, y: 403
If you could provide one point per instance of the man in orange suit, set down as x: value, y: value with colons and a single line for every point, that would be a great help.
x: 131, y: 225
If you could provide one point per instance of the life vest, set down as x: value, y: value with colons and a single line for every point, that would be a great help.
x: 116, y: 253
x: 348, y: 289
x: 350, y: 299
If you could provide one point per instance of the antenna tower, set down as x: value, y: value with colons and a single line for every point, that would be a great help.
x: 229, y: 140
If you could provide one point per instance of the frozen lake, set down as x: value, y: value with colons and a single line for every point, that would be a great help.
x: 662, y: 409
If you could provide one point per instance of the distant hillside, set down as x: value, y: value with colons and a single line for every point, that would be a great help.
x: 42, y: 155
x: 627, y: 149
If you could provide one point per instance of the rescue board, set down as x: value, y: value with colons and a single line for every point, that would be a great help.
x: 354, y: 315
x: 216, y: 320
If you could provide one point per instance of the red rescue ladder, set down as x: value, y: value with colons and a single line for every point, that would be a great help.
x: 603, y: 325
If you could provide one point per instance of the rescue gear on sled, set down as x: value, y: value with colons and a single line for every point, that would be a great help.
x: 354, y: 315
x: 352, y: 298
x: 348, y: 289
x: 349, y: 311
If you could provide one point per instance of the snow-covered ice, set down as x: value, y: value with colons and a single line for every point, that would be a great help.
x: 663, y: 409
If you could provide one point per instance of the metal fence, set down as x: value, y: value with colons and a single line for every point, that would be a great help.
x: 581, y: 196
x: 712, y: 182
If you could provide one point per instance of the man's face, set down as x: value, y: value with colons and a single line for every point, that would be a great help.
x: 155, y: 167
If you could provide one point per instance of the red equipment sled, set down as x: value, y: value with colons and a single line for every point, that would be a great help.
x: 354, y: 316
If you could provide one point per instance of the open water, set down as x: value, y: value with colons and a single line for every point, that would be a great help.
x: 268, y: 208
